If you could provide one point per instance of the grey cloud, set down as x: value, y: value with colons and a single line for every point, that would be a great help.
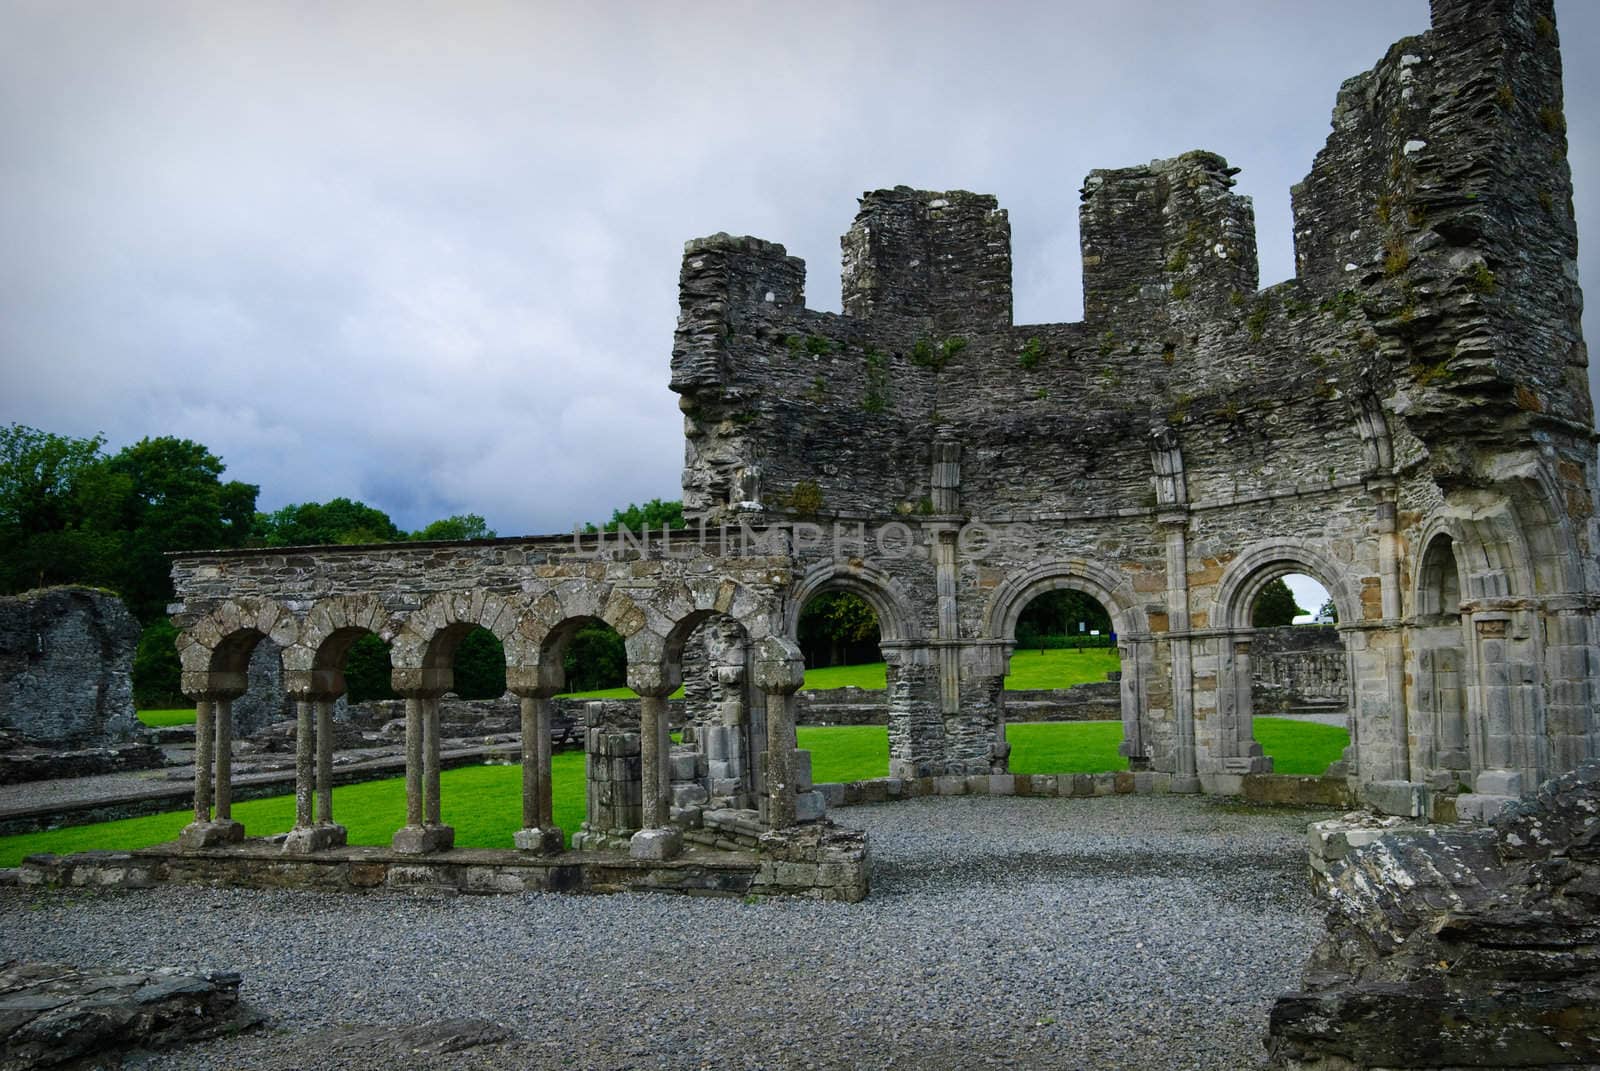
x: 426, y: 254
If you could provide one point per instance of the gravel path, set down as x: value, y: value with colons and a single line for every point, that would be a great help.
x: 1148, y: 932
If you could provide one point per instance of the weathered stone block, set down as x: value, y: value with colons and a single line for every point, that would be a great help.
x: 656, y: 844
x: 1408, y: 799
x: 317, y: 838
x: 423, y: 840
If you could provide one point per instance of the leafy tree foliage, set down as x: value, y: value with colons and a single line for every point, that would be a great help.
x: 367, y: 670
x: 1329, y: 612
x: 157, y: 674
x: 652, y: 515
x: 71, y: 514
x: 337, y: 521
x: 838, y: 629
x: 481, y: 666
x: 595, y: 658
x: 1275, y: 606
x: 459, y: 526
x: 1063, y: 612
x: 176, y: 501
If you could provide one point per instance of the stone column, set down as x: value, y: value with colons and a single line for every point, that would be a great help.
x: 325, y: 761
x: 780, y: 670
x: 314, y: 829
x: 1185, y: 777
x: 204, y: 738
x: 657, y: 839
x: 304, y: 760
x: 213, y: 743
x: 430, y: 762
x: 539, y: 832
x: 1499, y: 776
x: 224, y: 716
x: 414, y: 761
x: 423, y: 832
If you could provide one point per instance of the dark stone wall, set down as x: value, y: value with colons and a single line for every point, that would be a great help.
x: 65, y: 659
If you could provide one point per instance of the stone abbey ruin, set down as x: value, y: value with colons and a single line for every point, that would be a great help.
x: 1407, y: 421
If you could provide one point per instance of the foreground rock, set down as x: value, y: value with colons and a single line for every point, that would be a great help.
x: 53, y: 1015
x: 1460, y: 948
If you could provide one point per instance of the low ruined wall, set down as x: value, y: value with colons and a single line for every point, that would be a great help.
x: 65, y: 659
x: 1298, y: 666
x: 1099, y: 701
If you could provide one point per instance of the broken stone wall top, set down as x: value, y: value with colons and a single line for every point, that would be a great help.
x: 66, y: 655
x: 1435, y: 248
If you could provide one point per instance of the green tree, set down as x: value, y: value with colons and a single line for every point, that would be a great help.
x: 176, y: 500
x: 459, y: 526
x: 1063, y: 612
x: 314, y: 524
x: 60, y: 510
x: 1329, y: 612
x: 1275, y: 606
x: 367, y: 670
x: 480, y: 666
x: 157, y: 673
x: 652, y: 515
x: 596, y: 658
x: 837, y: 629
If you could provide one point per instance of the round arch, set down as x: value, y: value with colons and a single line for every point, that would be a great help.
x: 897, y: 622
x: 222, y: 641
x: 1113, y: 592
x: 1263, y: 563
x: 428, y: 636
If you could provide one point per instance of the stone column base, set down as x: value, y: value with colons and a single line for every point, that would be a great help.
x: 540, y: 841
x: 210, y: 834
x: 656, y: 844
x: 423, y: 840
x: 1184, y: 785
x: 308, y: 839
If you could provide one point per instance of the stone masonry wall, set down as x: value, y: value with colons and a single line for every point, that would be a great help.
x: 65, y: 659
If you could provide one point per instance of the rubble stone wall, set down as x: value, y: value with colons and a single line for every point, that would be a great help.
x: 66, y: 655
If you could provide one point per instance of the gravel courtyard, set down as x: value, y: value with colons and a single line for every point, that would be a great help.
x: 1123, y: 932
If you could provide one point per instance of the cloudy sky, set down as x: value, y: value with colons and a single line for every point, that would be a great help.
x: 426, y: 254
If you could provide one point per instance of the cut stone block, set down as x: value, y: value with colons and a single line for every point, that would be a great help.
x: 423, y: 840
x: 656, y: 844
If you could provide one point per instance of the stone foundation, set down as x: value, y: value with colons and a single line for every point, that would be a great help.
x: 818, y: 862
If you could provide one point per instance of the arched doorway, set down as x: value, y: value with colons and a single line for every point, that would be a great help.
x: 1062, y: 698
x: 1439, y: 665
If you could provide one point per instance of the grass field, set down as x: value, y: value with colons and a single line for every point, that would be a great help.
x: 160, y: 719
x: 484, y: 805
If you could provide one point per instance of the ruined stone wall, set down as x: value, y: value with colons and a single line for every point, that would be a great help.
x: 1297, y: 666
x: 1416, y: 394
x: 65, y: 659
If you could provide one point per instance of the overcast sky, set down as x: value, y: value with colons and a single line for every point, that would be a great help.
x: 426, y: 255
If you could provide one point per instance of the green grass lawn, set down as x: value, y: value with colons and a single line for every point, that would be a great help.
x: 484, y: 803
x: 160, y: 719
x: 1303, y: 748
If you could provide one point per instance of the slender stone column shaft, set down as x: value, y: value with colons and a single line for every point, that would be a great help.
x: 304, y: 747
x: 324, y: 760
x: 430, y: 760
x: 531, y: 769
x: 224, y: 716
x: 413, y: 761
x: 203, y: 739
x: 780, y: 753
x: 654, y: 755
x: 541, y: 731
